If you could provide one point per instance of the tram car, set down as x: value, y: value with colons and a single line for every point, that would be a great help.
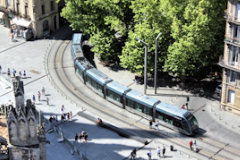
x: 148, y: 107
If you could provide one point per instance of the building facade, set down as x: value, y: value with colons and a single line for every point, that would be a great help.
x: 230, y: 95
x: 41, y: 16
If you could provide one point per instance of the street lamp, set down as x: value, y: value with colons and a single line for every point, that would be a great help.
x: 145, y: 63
x: 156, y: 61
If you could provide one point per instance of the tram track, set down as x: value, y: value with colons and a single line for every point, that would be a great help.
x: 209, y: 148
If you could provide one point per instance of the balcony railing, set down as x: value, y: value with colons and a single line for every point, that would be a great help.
x: 232, y: 39
x: 228, y: 65
x: 231, y: 18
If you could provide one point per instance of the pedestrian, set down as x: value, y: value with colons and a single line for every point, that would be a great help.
x: 99, y: 122
x: 195, y: 145
x: 76, y: 137
x: 47, y: 99
x: 191, y: 145
x: 20, y: 73
x: 163, y: 151
x: 62, y: 109
x: 24, y: 73
x: 34, y: 99
x: 43, y: 91
x: 80, y: 136
x: 134, y: 153
x: 149, y: 154
x: 186, y: 105
x: 182, y: 107
x: 159, y: 152
x: 150, y: 124
x: 9, y: 72
x: 156, y: 125
x: 70, y: 114
x: 39, y: 96
x: 85, y: 136
x: 13, y: 72
x: 0, y: 69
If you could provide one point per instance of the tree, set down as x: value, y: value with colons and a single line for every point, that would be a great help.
x: 196, y: 35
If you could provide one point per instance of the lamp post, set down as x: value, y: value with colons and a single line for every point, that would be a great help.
x: 145, y: 63
x: 156, y: 61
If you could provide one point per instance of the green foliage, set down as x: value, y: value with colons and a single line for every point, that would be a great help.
x: 192, y: 31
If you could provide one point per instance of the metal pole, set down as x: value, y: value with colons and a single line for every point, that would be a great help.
x: 145, y: 63
x: 145, y: 69
x: 156, y: 61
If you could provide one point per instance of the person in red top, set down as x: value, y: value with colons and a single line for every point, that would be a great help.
x: 191, y: 145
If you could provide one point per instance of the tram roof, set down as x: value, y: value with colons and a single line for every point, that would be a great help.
x: 141, y: 98
x: 171, y: 109
x: 77, y: 38
x: 97, y: 76
x: 117, y: 87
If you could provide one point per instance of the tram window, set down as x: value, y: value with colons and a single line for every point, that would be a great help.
x: 147, y: 110
x: 159, y: 115
x: 114, y: 96
x: 139, y: 107
x: 79, y: 72
x: 177, y: 123
x: 98, y: 87
x: 89, y: 80
x: 130, y: 103
x: 184, y: 125
x: 168, y: 119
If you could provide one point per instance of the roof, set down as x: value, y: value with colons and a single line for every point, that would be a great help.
x: 77, y: 38
x: 141, y: 98
x: 77, y: 51
x: 117, y: 87
x: 171, y: 109
x: 98, y: 76
x: 21, y: 22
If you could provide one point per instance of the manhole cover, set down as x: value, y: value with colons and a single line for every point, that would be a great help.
x: 33, y: 71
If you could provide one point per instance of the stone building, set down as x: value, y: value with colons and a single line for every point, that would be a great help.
x: 230, y: 95
x: 41, y: 16
x: 26, y: 139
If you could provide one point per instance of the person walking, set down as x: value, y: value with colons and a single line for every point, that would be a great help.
x: 191, y: 145
x: 13, y: 72
x: 0, y: 69
x: 159, y: 152
x: 34, y: 99
x: 39, y: 96
x: 150, y: 124
x: 134, y: 153
x: 20, y: 73
x: 47, y: 99
x: 62, y: 109
x: 149, y: 154
x: 24, y: 73
x: 195, y: 145
x: 182, y: 107
x: 76, y: 137
x: 163, y: 151
x: 156, y: 125
x: 43, y: 91
x: 9, y: 72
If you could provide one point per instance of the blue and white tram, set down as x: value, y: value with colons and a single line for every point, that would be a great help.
x: 176, y: 118
x: 145, y: 106
x: 97, y: 81
x: 115, y: 93
x: 141, y: 104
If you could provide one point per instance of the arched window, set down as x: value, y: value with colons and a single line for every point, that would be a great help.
x: 13, y: 132
x: 32, y: 128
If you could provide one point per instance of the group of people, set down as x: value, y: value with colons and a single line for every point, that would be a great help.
x: 14, y: 72
x: 80, y: 136
x: 65, y: 116
x: 156, y: 125
x: 39, y: 96
x: 193, y: 146
x: 160, y: 153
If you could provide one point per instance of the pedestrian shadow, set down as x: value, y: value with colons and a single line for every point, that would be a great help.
x: 38, y: 103
x: 47, y: 94
x: 51, y: 105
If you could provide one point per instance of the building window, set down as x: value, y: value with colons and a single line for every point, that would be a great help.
x: 234, y: 55
x: 52, y: 5
x: 43, y: 9
x: 233, y: 76
x: 17, y: 8
x: 238, y: 11
x: 26, y: 10
x: 231, y: 96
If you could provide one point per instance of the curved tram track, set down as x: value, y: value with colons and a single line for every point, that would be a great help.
x: 58, y: 71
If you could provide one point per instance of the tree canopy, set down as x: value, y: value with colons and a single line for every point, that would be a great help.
x: 192, y: 31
